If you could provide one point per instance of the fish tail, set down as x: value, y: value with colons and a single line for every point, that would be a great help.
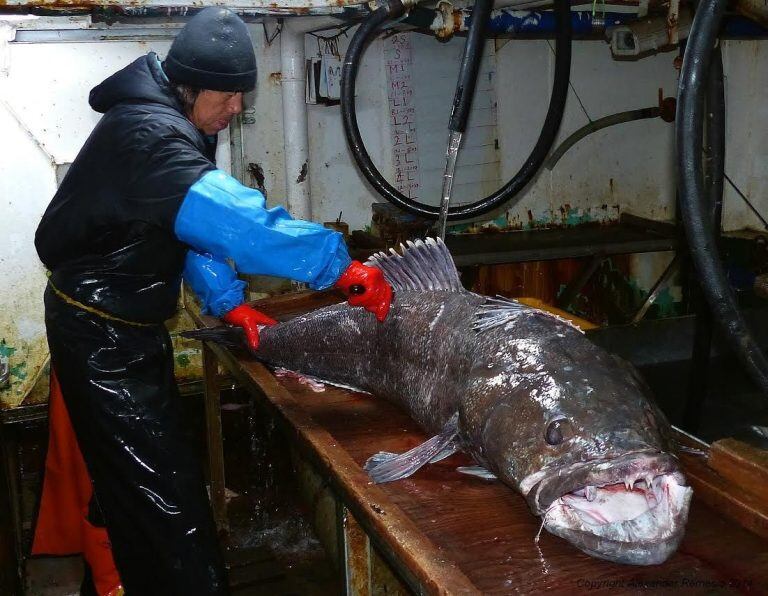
x: 226, y: 335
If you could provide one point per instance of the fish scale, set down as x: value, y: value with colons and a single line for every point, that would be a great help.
x: 409, y: 370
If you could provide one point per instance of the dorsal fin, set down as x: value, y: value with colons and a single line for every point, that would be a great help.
x: 495, y: 312
x: 424, y: 265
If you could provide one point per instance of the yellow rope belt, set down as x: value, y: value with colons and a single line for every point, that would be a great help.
x: 92, y: 310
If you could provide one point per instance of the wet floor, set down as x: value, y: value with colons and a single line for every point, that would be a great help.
x: 270, y: 548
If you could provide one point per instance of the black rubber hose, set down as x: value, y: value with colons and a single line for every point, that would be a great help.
x: 695, y: 210
x: 528, y: 170
x: 470, y: 65
x: 716, y: 140
x: 714, y: 179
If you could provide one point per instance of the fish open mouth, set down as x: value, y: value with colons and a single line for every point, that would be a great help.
x: 630, y: 510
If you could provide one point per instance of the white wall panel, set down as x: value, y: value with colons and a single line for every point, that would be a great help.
x: 436, y: 68
x: 24, y: 193
x: 629, y: 165
x: 337, y: 185
x: 48, y: 86
x: 45, y: 119
x: 263, y: 138
x: 746, y: 80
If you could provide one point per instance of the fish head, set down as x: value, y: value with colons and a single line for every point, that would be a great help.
x: 579, y: 436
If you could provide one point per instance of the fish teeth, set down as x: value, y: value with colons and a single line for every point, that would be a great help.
x: 590, y: 492
x: 649, y: 482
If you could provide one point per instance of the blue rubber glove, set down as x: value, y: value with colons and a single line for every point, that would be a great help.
x: 214, y: 282
x: 222, y: 217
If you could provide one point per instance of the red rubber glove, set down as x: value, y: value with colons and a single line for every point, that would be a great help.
x: 249, y: 319
x: 365, y: 286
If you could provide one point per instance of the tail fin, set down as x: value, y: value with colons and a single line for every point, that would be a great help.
x: 226, y: 335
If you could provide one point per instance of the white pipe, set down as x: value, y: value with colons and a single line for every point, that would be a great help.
x: 292, y: 59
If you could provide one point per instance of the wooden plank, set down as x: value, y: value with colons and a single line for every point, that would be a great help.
x: 404, y: 546
x: 581, y: 323
x: 444, y: 532
x: 729, y: 476
x: 744, y: 466
x: 487, y: 529
x: 212, y: 398
x: 738, y: 505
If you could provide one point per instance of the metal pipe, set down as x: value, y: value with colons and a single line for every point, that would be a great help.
x: 650, y: 35
x: 629, y: 37
x: 296, y: 139
x: 695, y: 213
x: 600, y: 124
x: 168, y: 8
x: 527, y: 22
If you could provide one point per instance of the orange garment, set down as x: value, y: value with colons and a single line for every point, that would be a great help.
x: 62, y: 522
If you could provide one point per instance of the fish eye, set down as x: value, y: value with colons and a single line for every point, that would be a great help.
x: 554, y: 435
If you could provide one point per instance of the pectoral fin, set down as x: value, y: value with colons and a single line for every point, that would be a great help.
x: 446, y: 452
x: 478, y: 471
x: 386, y: 467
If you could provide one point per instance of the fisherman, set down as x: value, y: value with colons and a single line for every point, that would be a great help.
x: 143, y: 201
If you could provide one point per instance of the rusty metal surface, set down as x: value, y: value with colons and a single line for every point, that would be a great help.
x: 757, y: 10
x: 383, y: 581
x: 286, y: 7
x: 492, y: 248
x: 357, y: 557
x: 628, y: 235
x: 212, y: 397
x: 324, y: 509
x: 673, y: 19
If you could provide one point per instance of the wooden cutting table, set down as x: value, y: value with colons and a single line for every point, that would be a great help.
x: 444, y: 532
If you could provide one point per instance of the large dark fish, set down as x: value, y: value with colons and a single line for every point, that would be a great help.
x: 535, y: 403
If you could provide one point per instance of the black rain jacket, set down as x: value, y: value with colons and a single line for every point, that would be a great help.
x: 108, y: 234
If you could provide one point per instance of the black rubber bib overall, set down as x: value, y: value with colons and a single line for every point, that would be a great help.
x: 118, y: 385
